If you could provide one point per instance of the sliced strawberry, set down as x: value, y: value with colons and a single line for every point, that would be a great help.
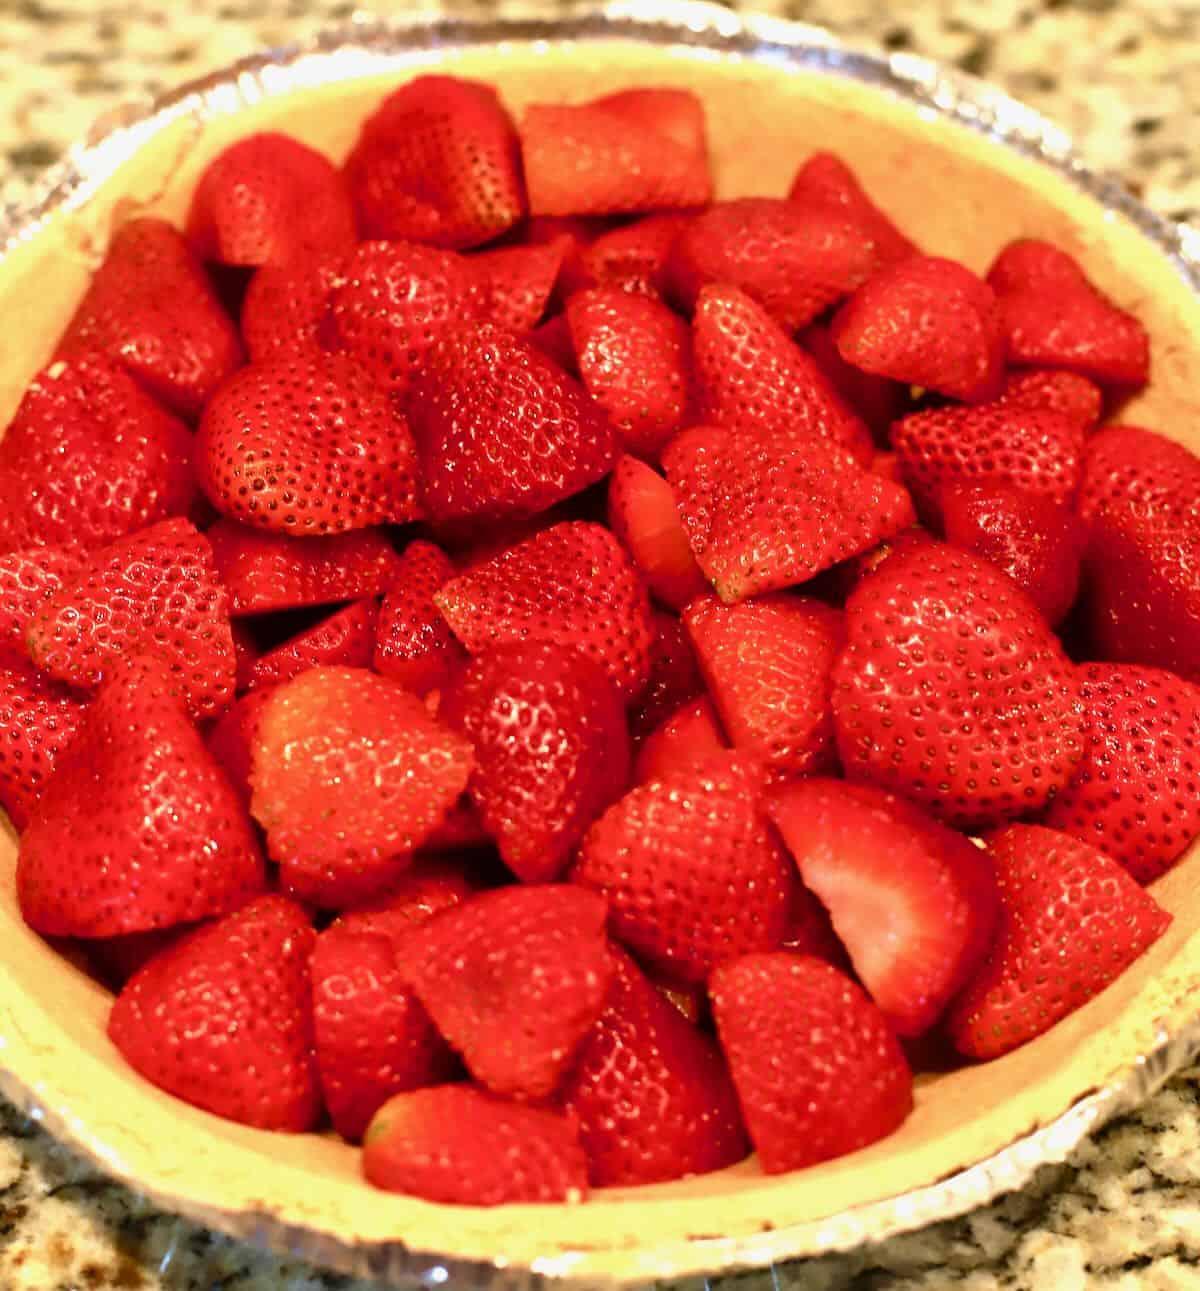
x: 38, y: 720
x: 810, y: 931
x: 89, y: 457
x: 514, y: 979
x: 826, y: 180
x: 634, y: 257
x: 650, y: 1093
x: 877, y: 400
x: 953, y: 691
x: 349, y: 775
x: 269, y: 198
x: 1062, y: 903
x: 683, y: 742
x: 692, y: 872
x: 817, y: 1070
x: 223, y: 1018
x: 438, y: 162
x: 287, y: 306
x: 517, y: 282
x: 155, y: 592
x: 929, y: 322
x: 674, y: 674
x: 270, y: 571
x: 912, y: 901
x: 769, y: 512
x: 231, y: 737
x: 346, y: 637
x: 1129, y: 467
x: 767, y: 664
x: 139, y: 827
x: 414, y: 644
x: 28, y: 578
x: 150, y: 307
x: 459, y: 1145
x: 1067, y: 393
x: 572, y: 584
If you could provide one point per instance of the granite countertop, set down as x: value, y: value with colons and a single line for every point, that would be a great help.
x: 1124, y: 78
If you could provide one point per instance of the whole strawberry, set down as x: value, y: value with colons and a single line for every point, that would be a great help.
x: 684, y: 741
x: 345, y: 638
x: 38, y: 720
x: 826, y: 180
x: 414, y: 644
x: 28, y: 578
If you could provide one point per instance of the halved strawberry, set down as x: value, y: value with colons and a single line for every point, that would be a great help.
x: 516, y: 283
x: 38, y: 720
x: 634, y: 256
x: 1129, y: 467
x: 674, y: 674
x: 683, y: 742
x: 346, y: 637
x: 826, y: 180
x: 287, y: 306
x: 1064, y: 392
x: 223, y: 1018
x: 28, y: 578
x: 878, y: 400
x: 1063, y: 904
x: 414, y: 644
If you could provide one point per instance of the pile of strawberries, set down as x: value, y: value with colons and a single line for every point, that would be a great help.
x: 473, y: 673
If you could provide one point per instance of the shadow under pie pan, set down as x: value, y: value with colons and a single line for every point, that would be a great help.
x: 964, y: 170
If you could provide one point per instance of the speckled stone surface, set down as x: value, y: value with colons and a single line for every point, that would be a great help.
x: 1124, y: 78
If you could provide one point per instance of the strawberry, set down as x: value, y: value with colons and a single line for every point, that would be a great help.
x: 287, y: 306
x: 231, y: 736
x: 912, y: 901
x: 502, y: 432
x: 414, y: 644
x: 649, y: 1092
x: 878, y: 400
x: 427, y: 886
x: 928, y: 322
x: 953, y: 691
x: 246, y: 651
x: 817, y: 1071
x: 753, y: 379
x: 1037, y: 541
x: 634, y: 355
x: 514, y: 979
x: 640, y: 150
x: 223, y: 1018
x: 150, y: 307
x: 28, y: 578
x: 674, y: 674
x: 349, y: 775
x: 156, y: 592
x: 1064, y: 392
x: 1134, y: 793
x: 1054, y: 317
x: 771, y: 511
x: 307, y: 446
x: 1062, y: 903
x: 683, y: 742
x: 810, y: 931
x: 138, y: 828
x: 346, y: 637
x: 553, y: 338
x: 634, y: 256
x: 574, y: 233
x: 767, y: 664
x: 38, y: 720
x: 551, y: 749
x: 437, y: 162
x: 571, y: 584
x: 114, y: 960
x: 373, y: 1038
x: 1128, y: 467
x: 516, y: 283
x: 1031, y: 449
x: 794, y: 260
x: 89, y: 457
x: 270, y: 571
x: 826, y: 180
x: 642, y: 512
x: 269, y: 198
x: 691, y: 870
x: 459, y: 1145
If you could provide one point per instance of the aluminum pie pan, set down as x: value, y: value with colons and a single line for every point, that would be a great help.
x: 368, y: 46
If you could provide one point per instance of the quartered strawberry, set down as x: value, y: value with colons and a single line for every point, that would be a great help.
x: 692, y: 872
x: 878, y: 400
x: 650, y: 1093
x: 634, y: 256
x: 682, y: 742
x: 642, y: 512
x: 1129, y: 467
x: 271, y: 571
x: 223, y: 1018
x: 89, y: 457
x: 287, y: 306
x: 349, y: 775
x: 459, y: 1145
x: 826, y: 180
x: 1063, y: 392
x: 1135, y: 794
x: 953, y: 691
x: 551, y: 749
x: 639, y: 150
x: 1054, y: 317
x: 414, y: 644
x: 767, y: 665
x: 502, y: 431
x: 572, y: 584
x: 307, y: 445
x: 139, y: 827
x: 269, y: 198
x: 1063, y: 904
x: 38, y: 720
x: 792, y: 259
x: 754, y: 379
x: 231, y: 737
x: 516, y: 283
x: 817, y: 1070
x: 674, y: 674
x: 346, y: 637
x: 912, y: 901
x: 28, y: 578
x: 514, y: 979
x: 437, y: 162
x: 151, y: 308
x: 634, y: 356
x: 765, y: 512
x: 1037, y: 541
x: 926, y: 321
x: 156, y: 592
